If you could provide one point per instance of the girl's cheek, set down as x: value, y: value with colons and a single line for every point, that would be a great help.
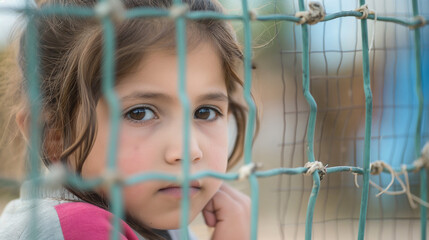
x: 219, y: 159
x: 135, y: 155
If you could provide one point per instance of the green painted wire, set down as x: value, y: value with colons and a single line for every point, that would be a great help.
x: 156, y: 12
x: 418, y: 135
x: 408, y: 23
x: 250, y: 126
x: 368, y: 125
x: 184, y: 101
x: 332, y: 16
x: 423, y: 196
x: 311, y: 205
x: 108, y: 69
x: 146, y: 12
x: 32, y: 77
x: 76, y: 181
x: 181, y: 39
x: 306, y: 87
x: 311, y: 125
x: 51, y: 10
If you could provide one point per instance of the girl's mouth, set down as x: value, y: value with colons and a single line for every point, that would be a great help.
x: 176, y: 191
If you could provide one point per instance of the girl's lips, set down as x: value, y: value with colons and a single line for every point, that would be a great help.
x: 177, y: 192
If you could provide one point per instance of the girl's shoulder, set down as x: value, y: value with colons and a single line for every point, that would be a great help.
x: 95, y: 223
x: 20, y: 216
x: 80, y: 220
x: 62, y: 219
x: 57, y: 219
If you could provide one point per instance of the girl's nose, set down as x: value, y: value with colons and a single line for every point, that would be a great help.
x: 174, y: 152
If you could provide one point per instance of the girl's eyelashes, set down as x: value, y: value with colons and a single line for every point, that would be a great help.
x: 207, y: 113
x: 140, y: 114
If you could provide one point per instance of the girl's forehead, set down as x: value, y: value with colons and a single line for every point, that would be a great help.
x: 159, y: 70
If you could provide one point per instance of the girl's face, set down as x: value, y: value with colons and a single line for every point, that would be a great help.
x: 150, y: 138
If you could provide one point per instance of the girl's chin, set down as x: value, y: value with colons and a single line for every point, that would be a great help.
x: 167, y: 226
x: 170, y: 224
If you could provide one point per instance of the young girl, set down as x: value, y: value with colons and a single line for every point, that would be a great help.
x: 76, y: 125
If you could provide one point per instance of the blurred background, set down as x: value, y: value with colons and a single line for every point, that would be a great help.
x: 337, y: 86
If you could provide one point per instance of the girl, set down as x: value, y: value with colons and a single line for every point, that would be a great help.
x: 76, y: 125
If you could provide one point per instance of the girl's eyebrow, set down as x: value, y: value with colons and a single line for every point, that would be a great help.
x: 214, y: 96
x: 147, y: 95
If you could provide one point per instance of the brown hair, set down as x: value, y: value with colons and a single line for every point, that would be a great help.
x: 70, y: 61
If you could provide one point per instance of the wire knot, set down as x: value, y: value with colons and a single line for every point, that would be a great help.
x: 253, y: 15
x: 110, y: 8
x: 421, y: 22
x: 377, y: 167
x: 315, y: 14
x: 245, y: 170
x: 57, y: 175
x: 112, y: 177
x: 365, y: 11
x: 423, y: 160
x: 316, y: 165
x: 178, y: 10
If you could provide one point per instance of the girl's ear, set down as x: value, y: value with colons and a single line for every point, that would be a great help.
x: 52, y: 145
x: 52, y: 139
x: 22, y: 120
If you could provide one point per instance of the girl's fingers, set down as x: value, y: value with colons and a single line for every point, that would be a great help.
x: 227, y: 202
x: 209, y: 214
x: 242, y: 201
x: 229, y: 213
x: 215, y: 209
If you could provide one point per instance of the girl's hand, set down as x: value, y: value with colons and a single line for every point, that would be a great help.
x: 229, y: 213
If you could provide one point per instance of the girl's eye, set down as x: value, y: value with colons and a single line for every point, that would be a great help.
x: 140, y: 114
x: 207, y: 113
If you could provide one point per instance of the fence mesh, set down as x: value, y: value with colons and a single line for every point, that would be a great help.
x: 363, y: 104
x: 336, y: 83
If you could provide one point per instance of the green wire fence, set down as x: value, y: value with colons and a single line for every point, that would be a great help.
x: 246, y: 18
